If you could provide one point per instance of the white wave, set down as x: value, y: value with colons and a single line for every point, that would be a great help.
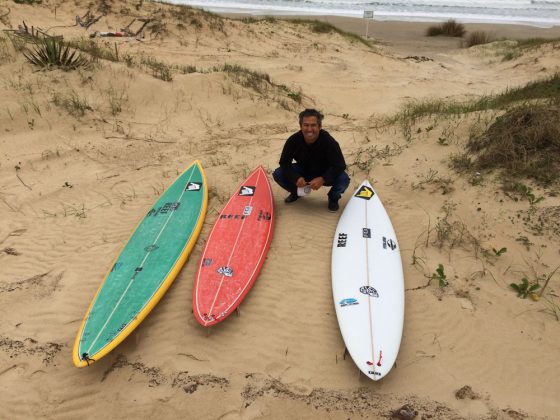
x: 545, y: 13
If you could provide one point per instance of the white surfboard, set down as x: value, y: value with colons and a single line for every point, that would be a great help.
x: 368, y: 283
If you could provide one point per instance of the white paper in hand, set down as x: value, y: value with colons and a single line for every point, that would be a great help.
x: 303, y: 191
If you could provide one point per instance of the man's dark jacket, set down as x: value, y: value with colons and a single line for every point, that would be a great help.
x: 322, y: 158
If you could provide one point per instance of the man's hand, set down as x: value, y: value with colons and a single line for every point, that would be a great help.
x: 317, y: 183
x: 300, y: 183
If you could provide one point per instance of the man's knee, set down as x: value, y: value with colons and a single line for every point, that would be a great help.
x: 277, y: 175
x: 345, y: 179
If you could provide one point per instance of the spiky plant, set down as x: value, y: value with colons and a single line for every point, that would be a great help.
x: 54, y: 52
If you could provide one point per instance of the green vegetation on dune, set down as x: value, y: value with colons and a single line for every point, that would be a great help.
x: 531, y: 43
x: 545, y: 89
x: 314, y: 25
x: 54, y: 53
x: 541, y: 89
x: 522, y: 142
x: 509, y: 49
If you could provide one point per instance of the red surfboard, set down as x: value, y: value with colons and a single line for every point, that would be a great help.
x: 235, y: 250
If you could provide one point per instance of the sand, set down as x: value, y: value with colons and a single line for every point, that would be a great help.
x: 84, y: 154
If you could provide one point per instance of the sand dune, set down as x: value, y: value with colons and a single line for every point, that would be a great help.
x: 85, y: 153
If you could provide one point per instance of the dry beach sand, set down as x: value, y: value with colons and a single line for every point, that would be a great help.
x: 85, y: 153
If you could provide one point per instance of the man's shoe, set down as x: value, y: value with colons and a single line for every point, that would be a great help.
x: 333, y: 206
x: 291, y: 198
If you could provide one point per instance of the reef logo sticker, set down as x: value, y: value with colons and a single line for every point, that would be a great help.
x: 247, y: 191
x: 193, y: 186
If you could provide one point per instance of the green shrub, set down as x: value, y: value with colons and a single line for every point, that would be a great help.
x: 53, y: 52
x: 524, y: 142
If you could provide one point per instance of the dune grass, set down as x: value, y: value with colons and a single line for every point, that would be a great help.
x: 97, y: 50
x: 545, y: 89
x: 524, y: 142
x: 532, y: 43
x: 316, y: 26
x: 6, y: 52
x: 250, y: 19
x: 477, y: 38
x: 524, y: 46
x: 160, y: 70
x: 251, y: 79
x: 196, y: 17
x: 262, y: 84
x: 321, y: 27
x: 72, y: 103
x: 510, y: 49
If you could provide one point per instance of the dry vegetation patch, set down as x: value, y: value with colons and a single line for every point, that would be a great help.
x: 524, y: 142
x: 478, y: 38
x: 450, y: 28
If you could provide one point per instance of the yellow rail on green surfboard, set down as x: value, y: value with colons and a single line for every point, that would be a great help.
x: 145, y: 268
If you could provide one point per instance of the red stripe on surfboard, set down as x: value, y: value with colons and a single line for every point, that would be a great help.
x: 237, y: 244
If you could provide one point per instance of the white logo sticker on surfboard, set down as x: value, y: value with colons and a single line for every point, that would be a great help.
x: 368, y: 283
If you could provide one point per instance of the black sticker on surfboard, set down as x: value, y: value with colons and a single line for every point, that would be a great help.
x: 365, y: 192
x: 233, y: 216
x: 247, y: 191
x: 389, y: 243
x: 264, y: 216
x: 193, y: 186
x: 369, y: 290
x: 366, y: 233
x: 225, y: 271
x: 342, y: 238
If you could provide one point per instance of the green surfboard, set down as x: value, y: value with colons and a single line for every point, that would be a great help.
x: 145, y: 268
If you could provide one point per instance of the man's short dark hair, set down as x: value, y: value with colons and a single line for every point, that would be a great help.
x: 310, y: 112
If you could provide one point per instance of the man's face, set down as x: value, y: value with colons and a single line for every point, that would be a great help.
x: 310, y: 128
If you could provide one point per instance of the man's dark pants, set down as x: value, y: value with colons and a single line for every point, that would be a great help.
x: 339, y: 185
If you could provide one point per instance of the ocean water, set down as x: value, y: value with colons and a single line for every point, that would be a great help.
x: 542, y: 13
